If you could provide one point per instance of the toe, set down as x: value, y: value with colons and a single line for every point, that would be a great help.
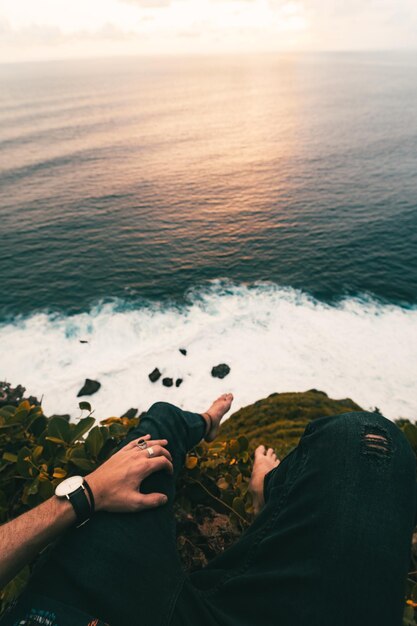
x: 260, y: 451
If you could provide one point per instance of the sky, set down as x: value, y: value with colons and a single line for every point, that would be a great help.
x: 55, y: 29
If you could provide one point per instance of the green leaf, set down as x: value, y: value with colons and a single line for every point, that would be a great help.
x: 37, y: 453
x: 243, y: 443
x: 3, y: 500
x: 15, y: 586
x: 104, y: 433
x: 217, y: 447
x: 233, y: 446
x: 84, y: 406
x: 36, y: 411
x: 84, y: 464
x: 9, y: 457
x: 23, y: 466
x: 117, y: 430
x: 94, y: 441
x: 38, y: 425
x: 7, y: 411
x: 410, y: 432
x: 81, y: 428
x: 408, y: 616
x: 238, y: 505
x: 59, y: 428
x: 20, y: 415
x: 46, y: 489
x: 56, y: 440
x: 33, y: 488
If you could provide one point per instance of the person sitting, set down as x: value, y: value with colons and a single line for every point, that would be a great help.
x: 330, y: 543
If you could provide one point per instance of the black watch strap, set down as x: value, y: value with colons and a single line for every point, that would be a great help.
x: 90, y: 493
x: 79, y: 501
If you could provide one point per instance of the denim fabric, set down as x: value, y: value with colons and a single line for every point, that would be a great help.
x: 331, y: 545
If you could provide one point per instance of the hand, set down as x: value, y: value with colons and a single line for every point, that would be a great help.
x: 116, y: 483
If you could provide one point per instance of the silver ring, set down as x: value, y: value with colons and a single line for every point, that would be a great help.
x: 150, y: 451
x: 142, y: 444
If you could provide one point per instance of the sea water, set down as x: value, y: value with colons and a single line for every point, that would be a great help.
x: 258, y: 211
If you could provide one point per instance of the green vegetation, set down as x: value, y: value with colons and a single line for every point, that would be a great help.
x: 213, y: 504
x: 280, y: 418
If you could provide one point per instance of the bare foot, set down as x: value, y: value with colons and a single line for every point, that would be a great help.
x: 214, y: 415
x: 265, y: 461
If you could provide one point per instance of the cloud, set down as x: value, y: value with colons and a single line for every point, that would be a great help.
x: 30, y: 35
x: 149, y: 4
x: 106, y: 27
x: 52, y: 36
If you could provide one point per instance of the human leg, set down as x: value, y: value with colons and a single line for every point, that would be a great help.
x: 119, y: 565
x: 331, y: 545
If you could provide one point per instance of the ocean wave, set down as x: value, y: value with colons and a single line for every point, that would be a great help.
x: 274, y: 339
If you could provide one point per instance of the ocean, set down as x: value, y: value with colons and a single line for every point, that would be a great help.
x: 259, y: 211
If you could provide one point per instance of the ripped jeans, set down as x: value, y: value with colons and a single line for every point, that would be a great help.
x: 330, y: 547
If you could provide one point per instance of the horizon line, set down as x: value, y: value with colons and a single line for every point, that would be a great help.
x: 214, y: 53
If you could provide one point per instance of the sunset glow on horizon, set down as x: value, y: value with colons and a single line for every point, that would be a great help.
x: 51, y: 29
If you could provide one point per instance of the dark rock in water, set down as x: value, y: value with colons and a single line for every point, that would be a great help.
x: 167, y: 382
x: 178, y: 382
x: 130, y: 414
x: 220, y: 371
x: 89, y: 387
x: 83, y: 341
x: 155, y: 375
x: 183, y: 351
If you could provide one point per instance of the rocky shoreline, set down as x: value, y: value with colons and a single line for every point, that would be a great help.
x: 14, y: 395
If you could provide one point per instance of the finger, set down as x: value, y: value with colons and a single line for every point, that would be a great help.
x: 151, y: 500
x: 134, y: 442
x: 157, y: 464
x: 157, y: 451
x: 157, y: 442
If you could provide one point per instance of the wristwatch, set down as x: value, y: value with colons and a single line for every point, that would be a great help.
x: 74, y: 489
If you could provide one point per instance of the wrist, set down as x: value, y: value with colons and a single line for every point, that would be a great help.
x: 78, y: 492
x: 94, y: 483
x: 64, y: 509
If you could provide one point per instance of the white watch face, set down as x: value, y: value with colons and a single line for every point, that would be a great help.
x: 68, y: 486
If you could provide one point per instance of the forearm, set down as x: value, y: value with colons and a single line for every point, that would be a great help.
x: 115, y: 486
x: 24, y: 537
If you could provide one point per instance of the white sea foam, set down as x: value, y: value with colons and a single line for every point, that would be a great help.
x: 274, y: 340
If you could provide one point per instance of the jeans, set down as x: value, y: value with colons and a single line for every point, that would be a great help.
x: 330, y: 547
